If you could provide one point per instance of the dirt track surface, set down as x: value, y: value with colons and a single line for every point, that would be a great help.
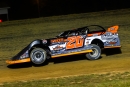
x: 15, y: 35
x: 76, y: 67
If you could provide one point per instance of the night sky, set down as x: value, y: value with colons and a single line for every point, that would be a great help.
x: 22, y: 9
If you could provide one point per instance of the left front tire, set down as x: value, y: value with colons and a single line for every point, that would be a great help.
x: 38, y: 56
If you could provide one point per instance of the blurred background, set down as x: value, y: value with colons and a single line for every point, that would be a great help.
x: 24, y: 9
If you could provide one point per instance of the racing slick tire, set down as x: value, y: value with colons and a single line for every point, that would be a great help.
x: 95, y: 54
x: 38, y: 56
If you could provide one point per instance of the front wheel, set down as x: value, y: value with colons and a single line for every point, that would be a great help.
x: 95, y: 54
x: 38, y: 56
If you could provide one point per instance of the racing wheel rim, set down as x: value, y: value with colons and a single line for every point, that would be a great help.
x: 38, y: 56
x: 94, y: 53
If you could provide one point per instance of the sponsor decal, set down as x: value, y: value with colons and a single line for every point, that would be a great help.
x: 58, y: 40
x: 68, y: 45
x: 109, y: 35
x: 44, y: 41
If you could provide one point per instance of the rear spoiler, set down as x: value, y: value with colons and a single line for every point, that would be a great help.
x: 113, y: 29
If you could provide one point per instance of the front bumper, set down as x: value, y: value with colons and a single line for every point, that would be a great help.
x: 18, y: 61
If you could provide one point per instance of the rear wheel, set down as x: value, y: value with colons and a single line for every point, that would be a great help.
x: 38, y: 56
x: 95, y: 54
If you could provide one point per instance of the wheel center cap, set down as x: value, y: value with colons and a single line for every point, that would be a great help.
x: 38, y: 55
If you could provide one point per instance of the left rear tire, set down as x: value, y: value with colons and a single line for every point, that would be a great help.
x: 95, y: 54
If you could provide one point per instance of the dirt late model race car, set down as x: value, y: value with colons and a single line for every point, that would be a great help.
x: 86, y: 40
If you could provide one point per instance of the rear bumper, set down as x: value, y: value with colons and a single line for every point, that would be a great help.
x: 18, y: 61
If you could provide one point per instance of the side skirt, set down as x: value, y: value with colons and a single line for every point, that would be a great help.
x: 18, y: 61
x: 73, y: 53
x: 112, y: 47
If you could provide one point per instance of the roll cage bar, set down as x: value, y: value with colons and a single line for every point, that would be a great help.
x: 81, y: 31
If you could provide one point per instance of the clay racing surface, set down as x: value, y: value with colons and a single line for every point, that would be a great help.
x: 64, y: 67
x: 15, y: 35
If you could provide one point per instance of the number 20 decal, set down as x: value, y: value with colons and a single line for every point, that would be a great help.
x: 74, y: 42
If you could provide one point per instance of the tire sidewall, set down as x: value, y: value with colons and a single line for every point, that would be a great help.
x: 97, y: 50
x: 43, y: 56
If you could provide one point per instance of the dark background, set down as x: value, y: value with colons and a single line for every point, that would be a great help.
x: 22, y: 9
